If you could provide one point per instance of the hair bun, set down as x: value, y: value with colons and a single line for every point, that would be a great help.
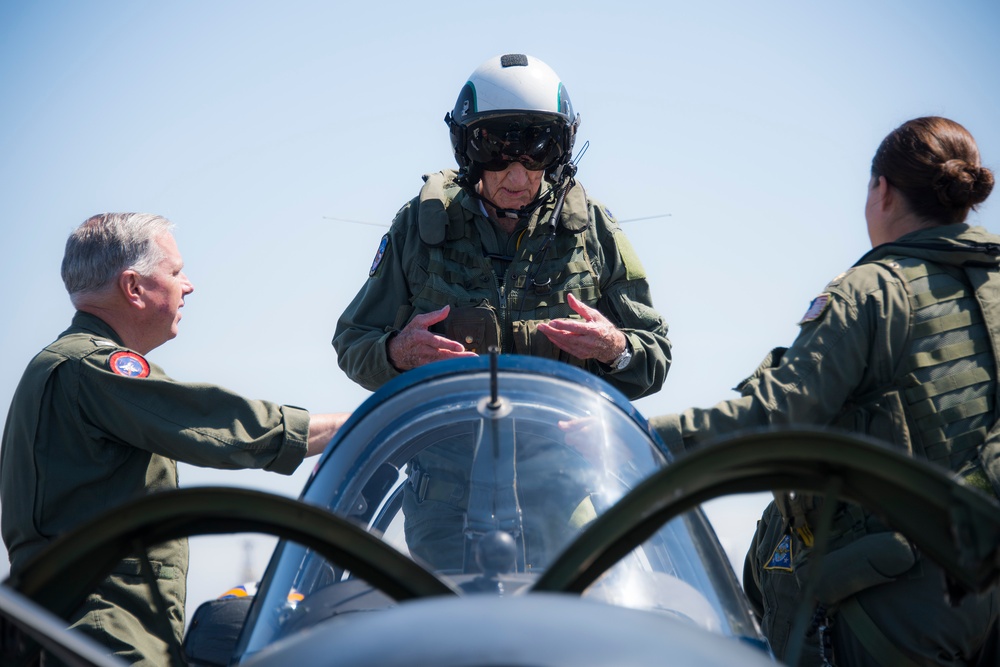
x: 959, y: 184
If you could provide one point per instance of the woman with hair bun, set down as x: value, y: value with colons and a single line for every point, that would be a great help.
x: 934, y: 164
x: 902, y: 347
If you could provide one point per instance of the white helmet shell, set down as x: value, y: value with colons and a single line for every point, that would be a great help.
x: 513, y: 83
x: 521, y: 92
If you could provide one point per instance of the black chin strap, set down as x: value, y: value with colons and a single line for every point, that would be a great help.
x: 513, y: 213
x: 562, y: 178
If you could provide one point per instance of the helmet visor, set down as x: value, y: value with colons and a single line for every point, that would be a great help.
x: 536, y: 142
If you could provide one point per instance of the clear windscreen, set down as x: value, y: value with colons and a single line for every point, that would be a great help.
x: 486, y: 491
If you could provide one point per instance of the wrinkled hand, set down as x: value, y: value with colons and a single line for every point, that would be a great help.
x: 415, y: 345
x: 595, y: 337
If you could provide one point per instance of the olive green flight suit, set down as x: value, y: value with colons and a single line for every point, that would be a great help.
x: 81, y: 439
x: 899, y: 348
x: 442, y: 249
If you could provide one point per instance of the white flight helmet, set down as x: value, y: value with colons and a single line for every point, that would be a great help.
x: 513, y: 108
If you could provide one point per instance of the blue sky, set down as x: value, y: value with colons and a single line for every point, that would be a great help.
x: 252, y: 124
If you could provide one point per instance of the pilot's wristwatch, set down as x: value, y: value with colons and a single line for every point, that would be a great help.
x: 624, y: 359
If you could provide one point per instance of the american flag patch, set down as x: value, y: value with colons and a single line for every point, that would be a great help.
x: 816, y: 308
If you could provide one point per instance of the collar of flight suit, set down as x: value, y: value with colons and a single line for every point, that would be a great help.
x: 440, y: 190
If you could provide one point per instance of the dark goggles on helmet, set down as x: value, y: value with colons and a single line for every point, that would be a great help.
x: 538, y: 144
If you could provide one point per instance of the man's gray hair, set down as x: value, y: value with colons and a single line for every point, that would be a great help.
x: 107, y: 244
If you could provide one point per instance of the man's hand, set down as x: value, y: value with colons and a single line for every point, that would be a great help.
x: 593, y: 338
x: 415, y: 345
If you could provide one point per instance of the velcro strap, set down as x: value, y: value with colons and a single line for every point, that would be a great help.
x: 967, y: 348
x: 946, y: 384
x: 914, y: 271
x: 946, y: 323
x: 940, y: 447
x: 967, y: 409
x: 937, y: 295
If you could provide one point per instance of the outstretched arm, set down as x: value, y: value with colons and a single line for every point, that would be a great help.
x: 322, y: 428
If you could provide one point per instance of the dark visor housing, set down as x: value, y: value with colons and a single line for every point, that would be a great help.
x: 536, y: 141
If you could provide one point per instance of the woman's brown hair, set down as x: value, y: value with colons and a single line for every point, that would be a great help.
x: 935, y: 163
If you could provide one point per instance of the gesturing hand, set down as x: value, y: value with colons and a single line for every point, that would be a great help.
x: 415, y: 345
x: 594, y: 337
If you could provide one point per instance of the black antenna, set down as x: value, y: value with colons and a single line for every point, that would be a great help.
x: 494, y: 389
x: 356, y: 222
x: 647, y: 217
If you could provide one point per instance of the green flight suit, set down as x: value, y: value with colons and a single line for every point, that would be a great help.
x: 856, y: 365
x: 82, y: 437
x: 442, y: 249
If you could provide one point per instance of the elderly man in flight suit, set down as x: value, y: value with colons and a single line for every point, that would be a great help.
x: 509, y: 251
x: 93, y: 424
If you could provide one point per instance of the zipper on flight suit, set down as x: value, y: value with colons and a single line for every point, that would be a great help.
x: 500, y: 285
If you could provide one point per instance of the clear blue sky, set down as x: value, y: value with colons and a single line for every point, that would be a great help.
x: 250, y: 124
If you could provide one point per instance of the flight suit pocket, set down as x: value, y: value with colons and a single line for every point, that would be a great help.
x: 882, y: 419
x: 476, y: 328
x: 529, y: 341
x: 869, y: 561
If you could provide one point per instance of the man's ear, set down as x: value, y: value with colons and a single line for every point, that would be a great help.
x: 129, y: 284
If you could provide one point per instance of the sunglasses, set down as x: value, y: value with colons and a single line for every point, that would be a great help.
x: 495, y: 145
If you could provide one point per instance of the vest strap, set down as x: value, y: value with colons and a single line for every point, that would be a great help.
x: 947, y: 353
x: 946, y: 323
x: 946, y: 384
x: 942, y: 447
x: 938, y: 295
x: 976, y: 406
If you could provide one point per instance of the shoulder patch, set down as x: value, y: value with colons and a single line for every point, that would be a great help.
x: 781, y: 557
x: 128, y: 364
x: 379, y: 254
x: 837, y: 280
x: 633, y: 267
x: 816, y: 308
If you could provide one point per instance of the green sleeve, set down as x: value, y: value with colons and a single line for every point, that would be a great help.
x: 378, y: 311
x: 199, y: 424
x: 849, y: 349
x: 626, y: 300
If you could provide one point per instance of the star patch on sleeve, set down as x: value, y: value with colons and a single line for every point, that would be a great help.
x: 128, y: 364
x: 816, y: 308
